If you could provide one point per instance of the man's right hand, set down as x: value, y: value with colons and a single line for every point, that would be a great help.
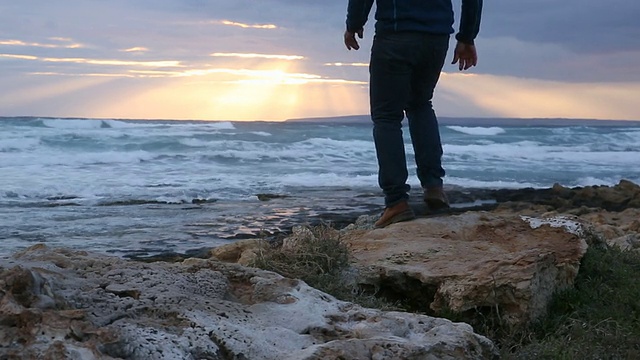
x: 350, y: 39
x: 465, y: 55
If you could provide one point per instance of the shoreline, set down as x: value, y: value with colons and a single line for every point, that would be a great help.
x: 174, y: 232
x: 482, y: 272
x: 464, y: 200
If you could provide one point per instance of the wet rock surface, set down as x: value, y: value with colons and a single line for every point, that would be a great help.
x: 504, y: 251
x: 616, y: 198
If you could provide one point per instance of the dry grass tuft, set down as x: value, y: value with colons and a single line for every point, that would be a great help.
x: 318, y: 256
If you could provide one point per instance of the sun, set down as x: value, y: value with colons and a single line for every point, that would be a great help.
x: 275, y: 91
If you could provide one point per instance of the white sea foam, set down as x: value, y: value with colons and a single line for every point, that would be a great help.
x: 514, y: 150
x: 481, y: 131
x: 120, y: 124
x: 214, y: 158
x: 75, y: 159
x: 491, y: 184
x: 220, y: 125
x: 195, y: 142
x: 529, y: 151
x: 12, y: 144
x: 123, y: 124
x: 311, y: 179
x: 303, y: 152
x: 72, y: 123
x: 591, y: 181
x: 88, y: 162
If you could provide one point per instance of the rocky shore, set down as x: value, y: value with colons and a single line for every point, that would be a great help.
x: 507, y: 251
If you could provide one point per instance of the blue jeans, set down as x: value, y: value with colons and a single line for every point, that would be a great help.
x: 404, y: 71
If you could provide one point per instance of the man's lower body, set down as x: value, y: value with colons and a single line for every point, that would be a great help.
x: 404, y: 70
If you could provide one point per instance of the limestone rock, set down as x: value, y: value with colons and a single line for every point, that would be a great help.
x: 626, y: 242
x: 620, y: 229
x: 241, y: 251
x: 615, y: 198
x: 100, y: 307
x: 472, y: 261
x: 298, y: 234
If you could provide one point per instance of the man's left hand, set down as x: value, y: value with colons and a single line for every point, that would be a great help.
x: 465, y: 55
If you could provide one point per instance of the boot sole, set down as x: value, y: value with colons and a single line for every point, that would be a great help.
x: 403, y: 216
x: 436, y: 204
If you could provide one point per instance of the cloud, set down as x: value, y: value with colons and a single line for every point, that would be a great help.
x: 284, y: 47
x: 247, y: 26
x: 20, y: 57
x: 249, y: 76
x: 258, y: 56
x: 514, y: 57
x: 359, y: 64
x: 583, y: 26
x: 157, y: 64
x: 239, y: 75
x: 42, y: 45
x: 506, y: 96
x: 81, y: 75
x: 138, y: 49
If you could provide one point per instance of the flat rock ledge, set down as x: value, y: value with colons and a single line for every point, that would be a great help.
x: 473, y: 262
x: 63, y: 304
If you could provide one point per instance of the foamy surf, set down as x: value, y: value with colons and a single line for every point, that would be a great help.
x: 139, y: 186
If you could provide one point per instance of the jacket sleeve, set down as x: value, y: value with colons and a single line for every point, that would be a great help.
x: 357, y: 14
x: 469, y: 21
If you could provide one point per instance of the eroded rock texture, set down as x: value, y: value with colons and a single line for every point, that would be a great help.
x: 472, y: 261
x: 61, y: 304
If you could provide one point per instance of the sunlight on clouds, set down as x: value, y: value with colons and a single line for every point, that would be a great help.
x: 275, y: 93
x: 263, y: 74
x: 166, y: 63
x: 58, y: 89
x: 274, y: 89
x: 347, y: 64
x: 277, y: 89
x: 239, y: 102
x: 259, y: 56
x: 21, y: 57
x: 247, y: 26
x: 135, y: 49
x: 252, y: 76
x: 291, y: 79
x: 51, y: 73
x: 40, y: 45
x: 240, y: 76
x: 530, y: 98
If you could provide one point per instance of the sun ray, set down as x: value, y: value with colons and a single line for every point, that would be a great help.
x: 519, y: 97
x: 56, y: 88
x: 273, y: 91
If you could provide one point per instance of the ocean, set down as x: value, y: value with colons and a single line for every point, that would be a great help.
x: 148, y: 187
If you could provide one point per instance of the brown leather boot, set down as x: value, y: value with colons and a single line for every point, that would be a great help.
x: 396, y: 213
x: 435, y: 198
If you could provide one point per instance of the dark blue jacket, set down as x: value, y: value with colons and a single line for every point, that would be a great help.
x: 430, y: 16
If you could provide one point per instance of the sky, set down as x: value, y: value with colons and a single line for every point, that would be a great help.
x: 283, y: 59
